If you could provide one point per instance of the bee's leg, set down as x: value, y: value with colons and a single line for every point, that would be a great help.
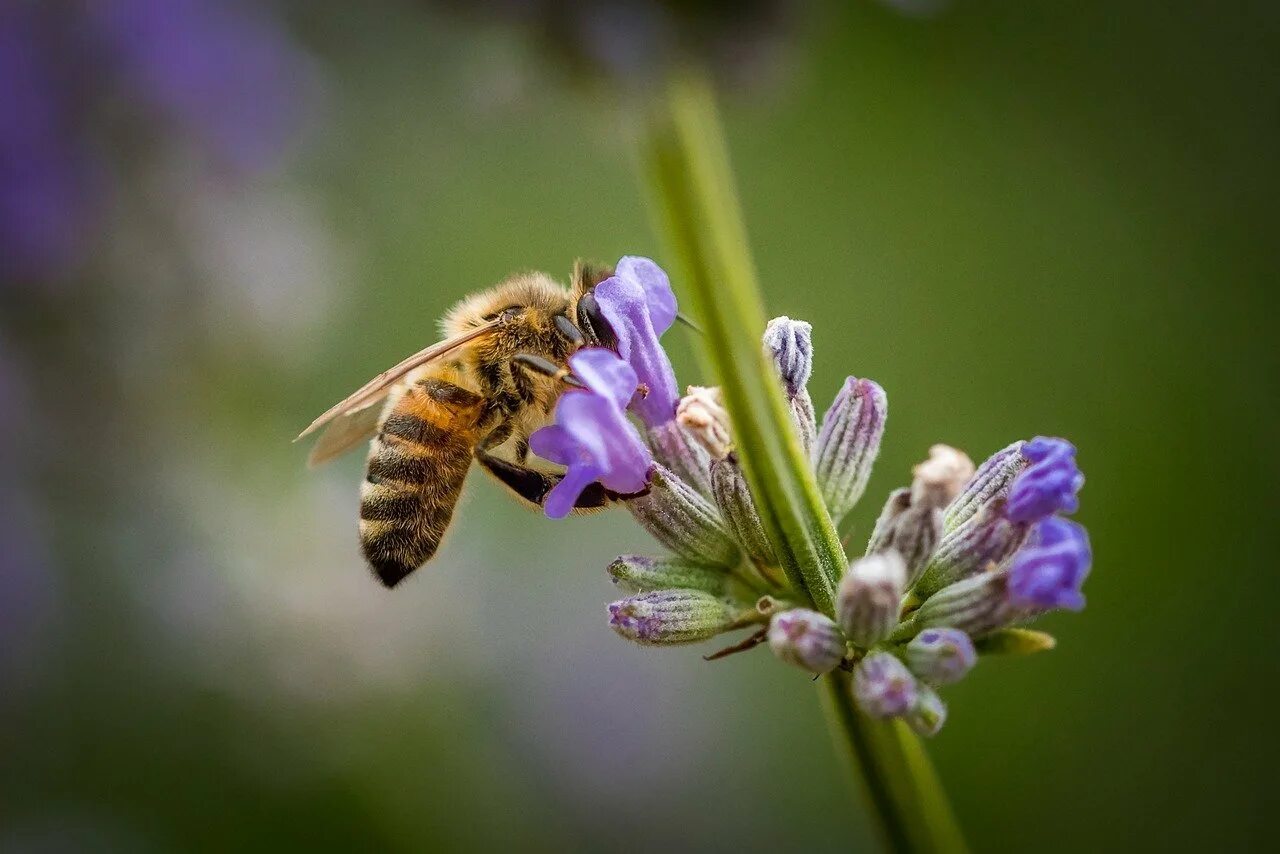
x: 546, y: 367
x: 533, y: 485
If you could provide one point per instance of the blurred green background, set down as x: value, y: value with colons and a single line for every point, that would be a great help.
x: 1019, y: 218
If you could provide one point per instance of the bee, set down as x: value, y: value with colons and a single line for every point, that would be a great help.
x: 477, y: 395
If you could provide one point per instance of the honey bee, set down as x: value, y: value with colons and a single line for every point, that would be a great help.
x: 478, y: 395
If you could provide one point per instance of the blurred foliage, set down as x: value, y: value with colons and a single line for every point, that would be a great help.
x: 1018, y: 218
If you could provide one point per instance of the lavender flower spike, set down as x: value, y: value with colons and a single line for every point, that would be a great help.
x: 849, y: 444
x: 807, y: 639
x: 591, y: 435
x: 883, y: 687
x: 1047, y: 486
x: 1050, y: 569
x: 672, y: 617
x: 639, y: 305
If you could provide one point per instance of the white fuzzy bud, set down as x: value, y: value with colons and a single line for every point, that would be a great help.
x: 870, y: 596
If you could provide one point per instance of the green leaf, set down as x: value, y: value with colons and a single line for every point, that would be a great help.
x: 1015, y: 642
x: 693, y: 191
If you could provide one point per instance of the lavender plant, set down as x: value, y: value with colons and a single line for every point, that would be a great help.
x: 954, y: 563
x: 743, y: 486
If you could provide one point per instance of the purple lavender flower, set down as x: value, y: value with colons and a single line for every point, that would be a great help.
x: 883, y: 687
x: 639, y: 304
x: 591, y: 435
x: 45, y: 174
x: 220, y: 71
x: 1050, y: 569
x: 1047, y: 486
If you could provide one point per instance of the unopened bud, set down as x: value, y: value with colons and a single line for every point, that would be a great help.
x: 683, y: 521
x: 639, y: 574
x: 883, y: 687
x: 807, y: 639
x: 986, y: 539
x: 789, y: 343
x: 976, y: 606
x: 928, y: 714
x: 939, y: 479
x: 680, y: 451
x: 738, y: 509
x: 849, y: 443
x: 941, y: 656
x: 912, y: 531
x: 870, y: 597
x: 701, y: 412
x: 672, y: 617
x: 990, y: 482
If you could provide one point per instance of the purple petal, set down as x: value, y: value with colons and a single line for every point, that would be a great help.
x: 1050, y: 569
x: 657, y: 289
x: 605, y: 374
x: 1047, y: 486
x: 553, y: 443
x: 560, y: 500
x: 623, y: 302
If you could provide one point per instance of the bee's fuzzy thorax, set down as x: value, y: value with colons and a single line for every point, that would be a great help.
x: 534, y: 289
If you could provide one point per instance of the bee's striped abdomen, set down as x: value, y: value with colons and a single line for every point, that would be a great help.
x: 417, y: 463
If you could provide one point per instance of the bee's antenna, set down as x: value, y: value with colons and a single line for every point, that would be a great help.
x: 684, y: 318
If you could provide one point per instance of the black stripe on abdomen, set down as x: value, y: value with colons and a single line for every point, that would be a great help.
x: 411, y: 428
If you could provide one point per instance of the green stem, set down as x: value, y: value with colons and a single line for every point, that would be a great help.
x: 687, y: 165
x: 908, y: 802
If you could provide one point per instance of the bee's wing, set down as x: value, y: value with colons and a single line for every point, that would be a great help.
x: 344, y: 432
x: 377, y: 388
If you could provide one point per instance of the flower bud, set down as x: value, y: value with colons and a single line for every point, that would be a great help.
x: 975, y: 606
x: 928, y: 714
x: 1049, y: 484
x: 870, y: 597
x: 939, y: 479
x: 807, y: 639
x: 991, y: 481
x: 986, y: 539
x: 702, y: 414
x: 789, y: 343
x: 680, y: 451
x: 666, y: 617
x: 912, y: 532
x: 638, y: 574
x: 883, y: 687
x: 683, y: 521
x: 849, y: 443
x: 899, y: 501
x: 941, y: 656
x: 738, y: 509
x: 1050, y: 569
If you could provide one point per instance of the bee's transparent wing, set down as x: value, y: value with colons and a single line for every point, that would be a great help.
x: 345, y: 432
x: 377, y: 388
